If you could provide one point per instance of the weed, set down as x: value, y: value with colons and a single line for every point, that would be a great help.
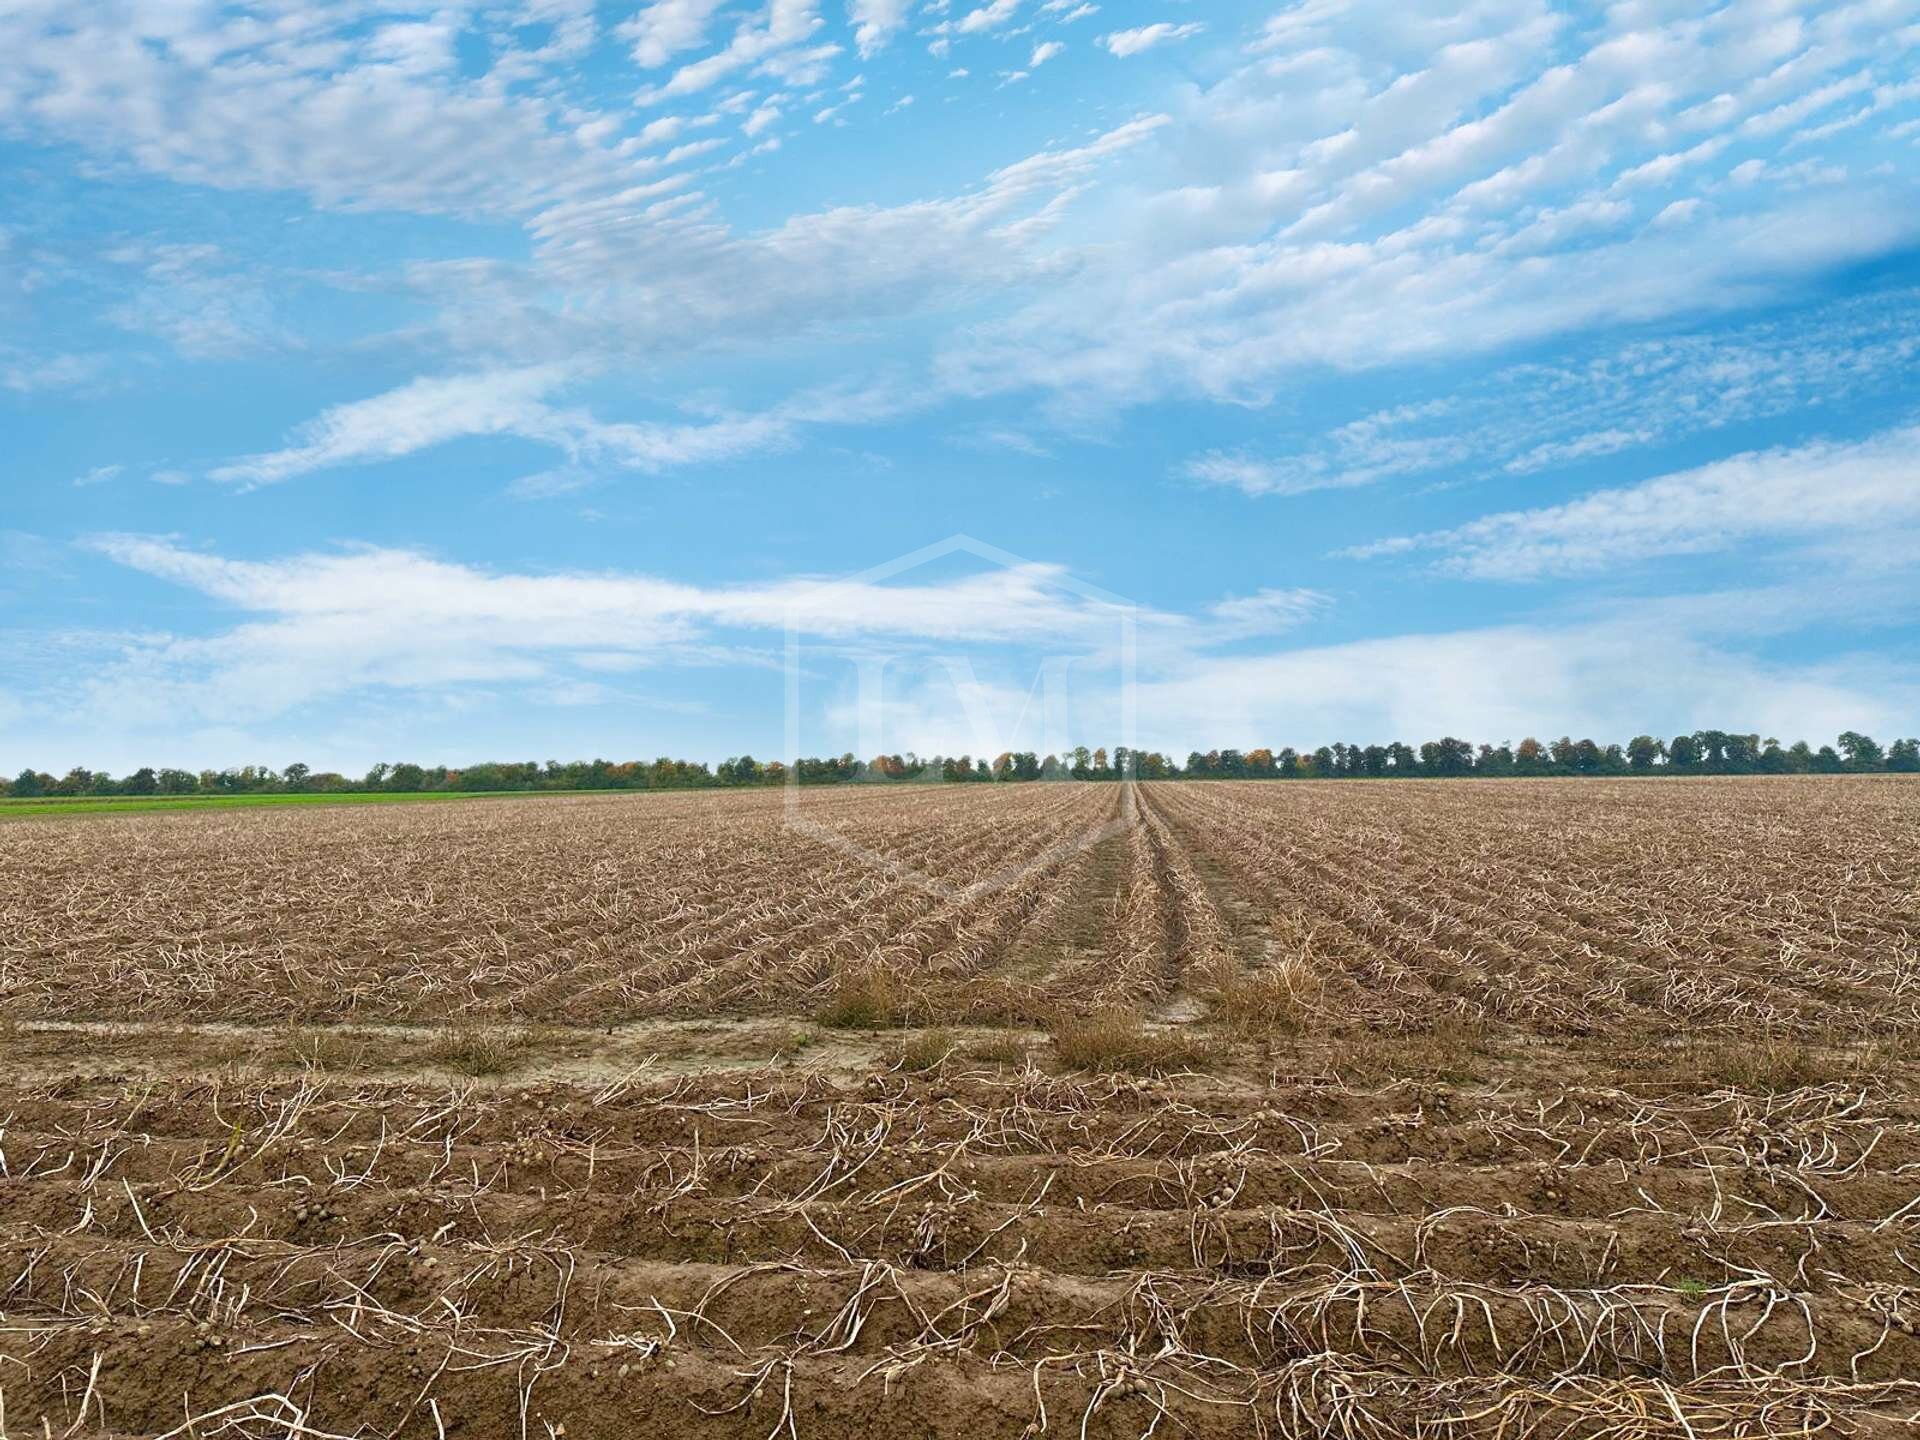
x: 318, y: 1047
x: 1768, y: 1064
x: 1118, y: 1041
x: 1267, y: 1004
x: 999, y: 1050
x: 478, y: 1049
x: 923, y: 1050
x: 864, y: 1000
x: 792, y: 1044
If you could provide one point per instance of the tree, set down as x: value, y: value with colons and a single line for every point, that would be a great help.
x: 1528, y: 757
x: 1712, y: 747
x: 1644, y: 752
x: 1861, y: 752
x: 1446, y: 756
x: 142, y: 782
x: 1904, y: 756
x: 1683, y: 752
x: 295, y: 776
x: 28, y: 783
x: 744, y: 770
x: 406, y: 777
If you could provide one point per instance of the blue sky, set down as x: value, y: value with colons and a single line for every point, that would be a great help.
x: 510, y: 378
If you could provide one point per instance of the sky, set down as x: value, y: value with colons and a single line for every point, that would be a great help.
x: 528, y: 379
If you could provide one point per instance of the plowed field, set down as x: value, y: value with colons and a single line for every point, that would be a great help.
x: 1369, y: 1110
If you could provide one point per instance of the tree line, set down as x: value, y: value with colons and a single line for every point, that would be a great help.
x: 1704, y: 752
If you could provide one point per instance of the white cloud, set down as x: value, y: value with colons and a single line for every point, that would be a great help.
x: 1372, y: 189
x: 661, y: 131
x: 424, y: 412
x: 875, y: 23
x: 990, y: 16
x: 405, y: 640
x: 694, y: 148
x: 1266, y: 612
x: 350, y: 118
x: 1804, y: 491
x: 197, y: 299
x: 1580, y: 447
x: 1144, y: 37
x: 781, y: 26
x: 615, y: 612
x: 1593, y: 400
x: 1680, y: 211
x: 1044, y: 52
x: 1363, y: 186
x: 26, y: 374
x: 1502, y: 683
x: 665, y: 28
x: 434, y: 410
x: 1255, y: 475
x: 1360, y: 452
x: 323, y: 626
x: 422, y: 47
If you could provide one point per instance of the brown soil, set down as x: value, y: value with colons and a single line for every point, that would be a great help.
x: 1416, y: 1195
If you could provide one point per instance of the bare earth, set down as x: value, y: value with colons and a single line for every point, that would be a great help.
x: 1466, y: 1109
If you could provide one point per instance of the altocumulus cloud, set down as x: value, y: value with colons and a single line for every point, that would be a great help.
x: 1802, y: 491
